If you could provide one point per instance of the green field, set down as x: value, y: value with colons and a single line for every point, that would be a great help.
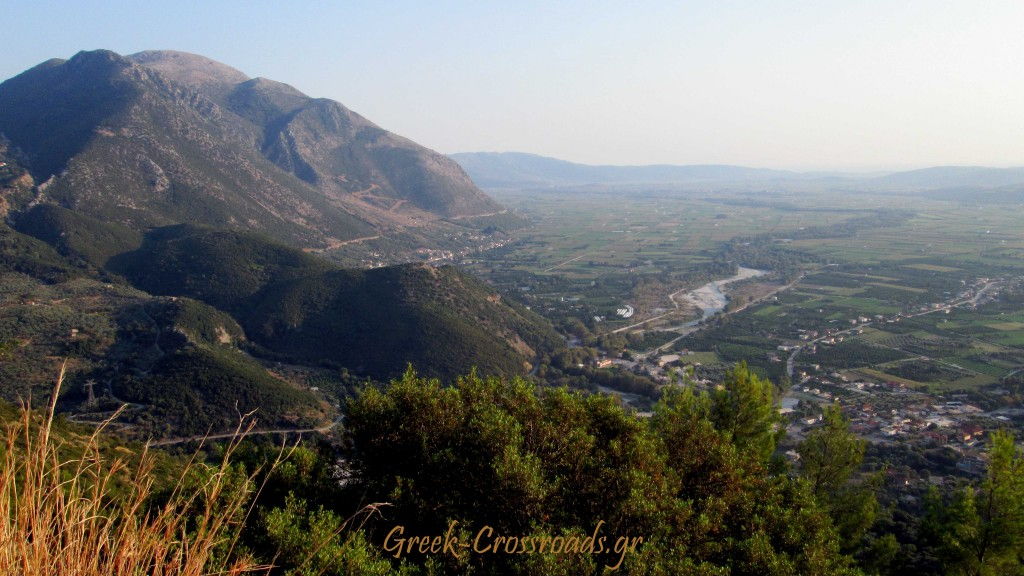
x: 858, y: 257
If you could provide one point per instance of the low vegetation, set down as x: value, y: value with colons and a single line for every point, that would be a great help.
x: 68, y: 506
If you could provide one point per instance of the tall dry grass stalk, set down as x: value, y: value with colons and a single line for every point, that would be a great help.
x: 87, y: 515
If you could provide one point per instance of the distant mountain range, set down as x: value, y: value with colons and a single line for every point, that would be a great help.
x: 515, y: 169
x: 511, y: 169
x: 941, y: 177
x: 161, y: 137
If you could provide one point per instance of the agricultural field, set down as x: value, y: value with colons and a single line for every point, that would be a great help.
x: 912, y: 288
x: 591, y: 251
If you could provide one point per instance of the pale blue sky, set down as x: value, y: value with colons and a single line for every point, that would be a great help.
x: 789, y: 84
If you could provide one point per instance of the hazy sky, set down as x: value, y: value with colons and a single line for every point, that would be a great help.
x: 820, y: 84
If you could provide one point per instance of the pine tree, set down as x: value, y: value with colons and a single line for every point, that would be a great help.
x: 980, y: 532
x: 743, y: 408
x: 829, y: 457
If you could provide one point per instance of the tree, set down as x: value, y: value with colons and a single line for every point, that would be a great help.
x: 311, y: 542
x: 741, y: 516
x: 829, y: 456
x: 743, y: 408
x: 981, y: 531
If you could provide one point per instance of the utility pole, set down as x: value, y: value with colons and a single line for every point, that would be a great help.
x: 90, y: 395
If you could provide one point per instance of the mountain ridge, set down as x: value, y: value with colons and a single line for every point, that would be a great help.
x: 318, y: 131
x: 161, y: 138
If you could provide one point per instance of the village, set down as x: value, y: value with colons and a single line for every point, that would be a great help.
x: 474, y: 243
x: 883, y: 411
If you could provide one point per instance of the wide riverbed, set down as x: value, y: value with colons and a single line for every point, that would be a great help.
x: 710, y: 298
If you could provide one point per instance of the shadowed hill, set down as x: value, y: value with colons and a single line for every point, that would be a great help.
x: 304, y: 309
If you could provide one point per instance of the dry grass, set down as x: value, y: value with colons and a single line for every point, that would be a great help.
x: 88, y: 515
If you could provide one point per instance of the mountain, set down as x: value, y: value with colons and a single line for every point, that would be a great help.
x: 946, y: 177
x: 195, y: 377
x: 303, y: 309
x: 518, y: 170
x: 162, y: 216
x: 161, y: 138
x: 515, y: 169
x: 379, y: 321
x: 178, y: 364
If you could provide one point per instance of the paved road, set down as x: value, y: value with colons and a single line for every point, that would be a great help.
x: 791, y: 361
x: 560, y: 264
x: 320, y: 430
x: 671, y: 297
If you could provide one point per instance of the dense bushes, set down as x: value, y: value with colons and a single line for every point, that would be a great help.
x: 693, y: 481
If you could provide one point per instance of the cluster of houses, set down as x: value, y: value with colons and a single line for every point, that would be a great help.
x: 950, y: 423
x: 888, y: 412
x: 476, y: 243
